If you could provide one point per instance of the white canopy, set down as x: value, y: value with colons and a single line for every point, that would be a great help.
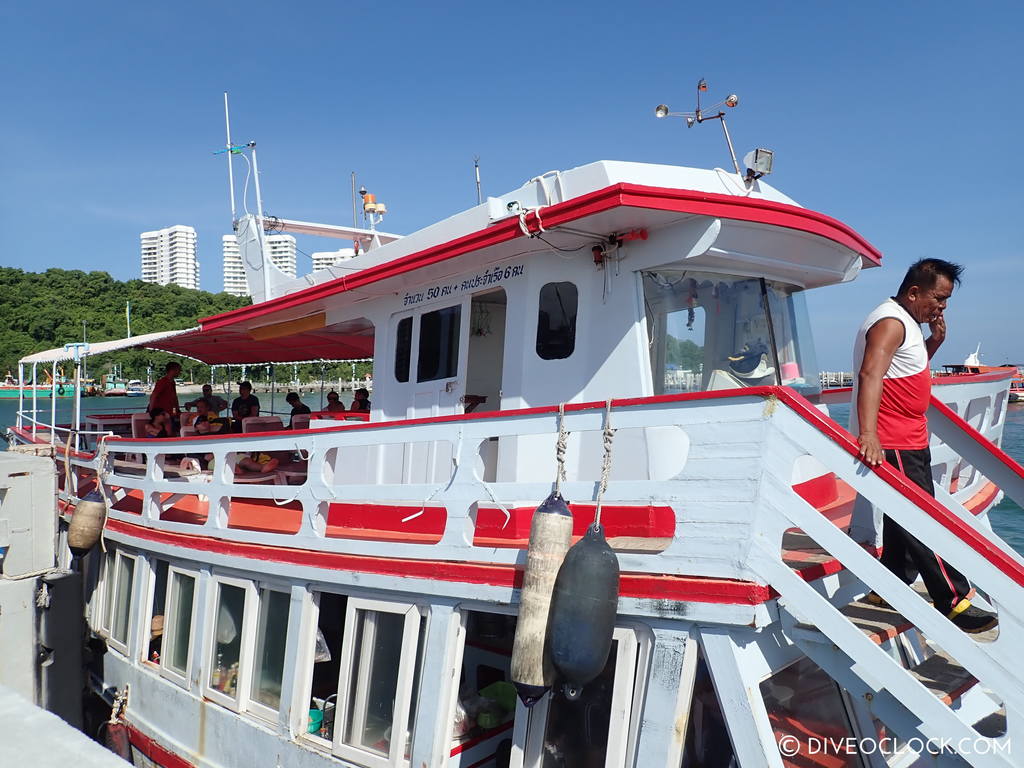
x: 61, y: 353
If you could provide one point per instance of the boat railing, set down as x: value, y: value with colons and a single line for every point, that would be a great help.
x: 982, y: 401
x: 943, y: 525
x: 35, y: 426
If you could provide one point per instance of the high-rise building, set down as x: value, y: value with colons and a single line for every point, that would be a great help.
x: 325, y: 259
x: 169, y: 257
x: 282, y: 254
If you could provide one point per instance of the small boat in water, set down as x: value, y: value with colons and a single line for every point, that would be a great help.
x: 972, y: 365
x: 358, y: 597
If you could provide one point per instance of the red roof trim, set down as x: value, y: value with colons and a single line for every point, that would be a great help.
x: 634, y: 195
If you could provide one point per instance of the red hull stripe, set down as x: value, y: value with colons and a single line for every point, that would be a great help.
x: 458, y: 749
x: 616, y: 195
x: 158, y: 754
x: 638, y: 585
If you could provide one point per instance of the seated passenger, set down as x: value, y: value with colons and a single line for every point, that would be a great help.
x: 360, y: 401
x: 298, y: 407
x: 245, y: 405
x: 159, y: 424
x: 259, y: 463
x: 216, y: 402
x: 206, y: 423
x: 334, y: 404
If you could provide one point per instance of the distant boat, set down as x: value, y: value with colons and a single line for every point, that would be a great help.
x: 135, y: 389
x: 972, y: 364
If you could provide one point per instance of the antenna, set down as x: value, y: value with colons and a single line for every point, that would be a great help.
x: 476, y: 169
x: 698, y: 116
x: 228, y: 152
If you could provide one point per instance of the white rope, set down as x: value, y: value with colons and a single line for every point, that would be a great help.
x: 606, y: 460
x: 526, y: 229
x: 560, y: 448
x: 101, y: 460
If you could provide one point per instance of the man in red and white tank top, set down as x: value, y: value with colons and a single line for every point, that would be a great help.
x: 891, y: 392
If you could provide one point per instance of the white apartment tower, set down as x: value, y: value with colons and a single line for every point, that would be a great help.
x: 282, y: 254
x: 169, y: 257
x: 325, y: 259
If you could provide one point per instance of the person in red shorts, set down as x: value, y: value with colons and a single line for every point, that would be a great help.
x: 892, y: 390
x: 165, y: 395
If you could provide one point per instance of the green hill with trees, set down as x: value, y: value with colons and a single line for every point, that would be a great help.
x: 42, y: 310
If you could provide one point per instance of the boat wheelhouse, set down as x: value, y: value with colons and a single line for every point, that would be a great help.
x: 358, y: 607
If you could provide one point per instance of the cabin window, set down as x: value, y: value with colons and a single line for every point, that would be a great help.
x: 711, y: 331
x: 178, y: 622
x: 121, y: 606
x: 271, y: 637
x: 373, y: 676
x: 707, y: 737
x: 228, y: 630
x: 556, y: 321
x: 107, y: 601
x: 330, y: 638
x: 487, y: 699
x: 151, y: 650
x: 367, y: 661
x: 598, y: 729
x: 438, y: 353
x: 403, y: 348
x: 806, y: 708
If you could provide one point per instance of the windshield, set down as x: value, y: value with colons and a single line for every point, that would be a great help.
x: 710, y: 331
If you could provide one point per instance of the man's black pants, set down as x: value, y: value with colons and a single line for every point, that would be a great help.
x: 904, y: 555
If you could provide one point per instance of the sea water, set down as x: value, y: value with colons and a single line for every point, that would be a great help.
x: 1007, y: 518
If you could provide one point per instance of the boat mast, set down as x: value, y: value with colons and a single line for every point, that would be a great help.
x: 476, y: 169
x: 259, y: 221
x: 229, y: 153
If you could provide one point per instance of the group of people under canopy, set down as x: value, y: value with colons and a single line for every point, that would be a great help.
x: 166, y: 416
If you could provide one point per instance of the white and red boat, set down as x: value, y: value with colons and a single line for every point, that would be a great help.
x: 357, y: 606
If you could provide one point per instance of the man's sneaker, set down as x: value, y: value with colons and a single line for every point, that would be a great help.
x: 875, y: 599
x: 971, y: 619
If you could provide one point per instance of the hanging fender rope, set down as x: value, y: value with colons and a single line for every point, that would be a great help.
x: 526, y: 229
x: 560, y: 448
x: 101, y: 461
x: 606, y: 460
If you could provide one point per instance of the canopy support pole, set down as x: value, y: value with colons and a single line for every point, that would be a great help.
x: 273, y: 388
x: 78, y: 402
x: 35, y: 395
x: 21, y: 392
x: 53, y: 403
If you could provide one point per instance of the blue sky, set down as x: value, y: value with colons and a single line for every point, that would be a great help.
x: 897, y: 118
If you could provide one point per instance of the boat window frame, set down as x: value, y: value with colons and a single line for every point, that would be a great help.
x: 453, y: 338
x: 253, y: 706
x: 170, y: 622
x: 628, y: 691
x: 239, y: 702
x: 573, y: 321
x: 405, y: 362
x: 122, y: 647
x: 146, y: 623
x: 103, y: 604
x: 413, y: 615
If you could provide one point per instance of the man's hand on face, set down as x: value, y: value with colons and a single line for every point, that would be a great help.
x: 871, y: 450
x: 938, y: 328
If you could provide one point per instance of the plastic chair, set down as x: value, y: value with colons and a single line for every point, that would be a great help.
x: 262, y: 424
x: 300, y: 421
x: 139, y: 422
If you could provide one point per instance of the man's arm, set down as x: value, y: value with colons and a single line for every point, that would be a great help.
x: 883, y: 339
x: 938, y: 329
x: 254, y: 409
